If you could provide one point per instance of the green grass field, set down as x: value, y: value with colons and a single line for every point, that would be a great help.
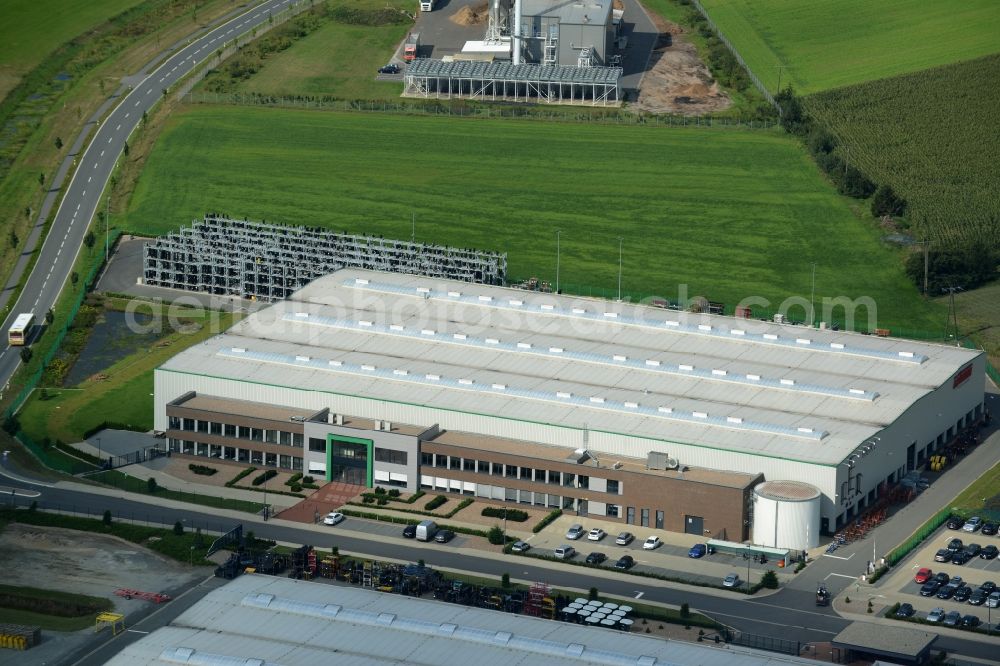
x: 30, y: 29
x: 842, y: 42
x: 925, y: 134
x: 979, y: 313
x: 336, y: 60
x: 730, y: 213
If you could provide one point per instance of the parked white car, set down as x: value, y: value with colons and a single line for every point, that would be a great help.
x: 564, y: 552
x: 652, y: 543
x: 333, y: 518
x: 973, y: 524
x: 574, y: 532
x: 597, y: 534
x: 732, y: 580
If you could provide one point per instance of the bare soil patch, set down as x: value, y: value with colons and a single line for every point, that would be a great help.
x: 471, y: 15
x: 677, y: 80
x: 82, y: 563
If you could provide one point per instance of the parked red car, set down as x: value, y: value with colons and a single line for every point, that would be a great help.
x: 923, y: 575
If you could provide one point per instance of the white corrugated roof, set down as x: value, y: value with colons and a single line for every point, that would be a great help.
x: 749, y: 386
x: 293, y: 623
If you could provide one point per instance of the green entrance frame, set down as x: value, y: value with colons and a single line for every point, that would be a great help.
x: 369, y: 460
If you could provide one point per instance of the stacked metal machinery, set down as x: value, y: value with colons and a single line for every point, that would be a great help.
x: 257, y: 260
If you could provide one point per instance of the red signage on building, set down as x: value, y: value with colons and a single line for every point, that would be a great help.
x: 962, y: 375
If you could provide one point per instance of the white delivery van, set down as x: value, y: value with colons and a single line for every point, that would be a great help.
x: 426, y: 530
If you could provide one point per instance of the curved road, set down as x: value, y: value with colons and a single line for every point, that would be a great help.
x: 790, y: 614
x: 93, y: 169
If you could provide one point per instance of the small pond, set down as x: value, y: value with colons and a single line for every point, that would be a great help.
x: 114, y: 336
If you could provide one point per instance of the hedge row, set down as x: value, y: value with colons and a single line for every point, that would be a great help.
x: 461, y: 505
x: 544, y: 522
x: 517, y: 515
x: 239, y: 477
x: 264, y: 476
x: 436, y: 502
x: 203, y: 470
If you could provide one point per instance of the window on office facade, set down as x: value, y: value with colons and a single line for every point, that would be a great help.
x: 174, y: 423
x: 613, y: 487
x: 427, y: 459
x: 390, y: 456
x: 317, y: 445
x: 644, y: 518
x: 613, y: 510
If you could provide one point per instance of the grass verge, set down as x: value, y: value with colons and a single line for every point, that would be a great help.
x: 135, y: 484
x: 49, y: 609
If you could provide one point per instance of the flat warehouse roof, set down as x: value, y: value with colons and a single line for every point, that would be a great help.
x: 741, y: 385
x: 268, y: 620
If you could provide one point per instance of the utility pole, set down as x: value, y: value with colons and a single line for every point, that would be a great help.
x: 413, y: 227
x: 620, y: 239
x: 927, y: 250
x: 954, y: 312
x: 558, y: 232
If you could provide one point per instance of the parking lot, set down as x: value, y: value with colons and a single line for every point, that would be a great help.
x: 973, y: 574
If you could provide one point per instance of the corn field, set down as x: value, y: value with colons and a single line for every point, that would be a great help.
x: 933, y: 137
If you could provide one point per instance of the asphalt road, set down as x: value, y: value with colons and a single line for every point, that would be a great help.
x: 94, y: 165
x: 790, y: 614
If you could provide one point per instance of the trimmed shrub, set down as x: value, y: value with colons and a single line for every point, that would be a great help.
x: 264, y: 476
x: 495, y: 535
x: 239, y: 477
x: 436, y: 502
x: 178, y: 528
x: 107, y: 517
x: 769, y: 580
x: 202, y: 470
x: 516, y: 515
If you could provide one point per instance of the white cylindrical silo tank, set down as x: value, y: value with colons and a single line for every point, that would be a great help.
x: 786, y: 514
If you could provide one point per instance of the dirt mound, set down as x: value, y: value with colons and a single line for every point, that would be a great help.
x: 471, y: 15
x: 618, y: 4
x: 677, y: 81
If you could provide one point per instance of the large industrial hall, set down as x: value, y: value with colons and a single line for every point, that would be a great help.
x: 648, y: 416
x: 268, y: 621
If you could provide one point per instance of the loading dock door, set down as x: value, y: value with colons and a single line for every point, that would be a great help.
x: 694, y: 525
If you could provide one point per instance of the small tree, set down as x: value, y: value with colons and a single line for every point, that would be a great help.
x: 125, y: 149
x: 34, y: 506
x: 74, y: 277
x: 505, y: 580
x: 769, y: 580
x: 59, y: 143
x: 49, y: 316
x: 89, y: 240
x: 178, y: 528
x: 151, y: 485
x: 592, y: 595
x: 14, y: 240
x: 107, y: 517
x: 11, y: 425
x: 495, y: 535
x: 685, y: 610
x: 26, y: 355
x: 41, y: 179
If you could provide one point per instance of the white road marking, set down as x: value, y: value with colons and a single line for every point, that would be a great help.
x: 78, y: 206
x: 136, y: 631
x: 149, y: 91
x: 840, y: 575
x: 127, y: 115
x: 102, y: 153
x: 110, y: 138
x: 95, y: 165
x: 119, y: 127
x: 89, y: 178
x: 60, y: 245
x: 638, y: 595
x: 161, y: 79
x: 838, y: 557
x: 137, y: 102
x: 85, y: 193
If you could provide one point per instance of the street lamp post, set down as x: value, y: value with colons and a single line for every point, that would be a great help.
x: 620, y: 239
x: 558, y: 233
x: 812, y: 299
x: 748, y: 568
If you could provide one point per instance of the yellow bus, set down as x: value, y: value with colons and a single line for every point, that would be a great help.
x: 20, y: 332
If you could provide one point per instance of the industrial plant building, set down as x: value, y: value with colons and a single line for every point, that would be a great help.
x: 546, y: 51
x: 642, y: 415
